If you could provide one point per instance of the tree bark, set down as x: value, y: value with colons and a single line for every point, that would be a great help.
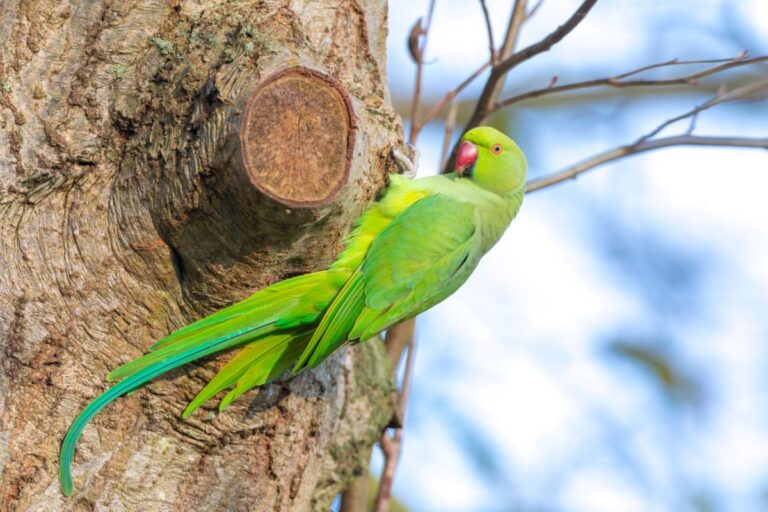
x: 141, y: 187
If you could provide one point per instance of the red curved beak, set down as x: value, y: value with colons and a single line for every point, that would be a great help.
x: 466, y: 157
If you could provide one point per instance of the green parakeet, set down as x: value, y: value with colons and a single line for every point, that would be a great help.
x: 408, y: 251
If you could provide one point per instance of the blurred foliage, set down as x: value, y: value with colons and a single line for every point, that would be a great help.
x: 661, y: 367
x: 704, y: 502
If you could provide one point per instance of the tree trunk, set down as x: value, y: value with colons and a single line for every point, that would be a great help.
x: 162, y: 159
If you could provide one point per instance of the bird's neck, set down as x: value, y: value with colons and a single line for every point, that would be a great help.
x: 515, y: 199
x: 496, y: 215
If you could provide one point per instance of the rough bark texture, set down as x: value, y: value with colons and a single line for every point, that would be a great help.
x: 126, y: 211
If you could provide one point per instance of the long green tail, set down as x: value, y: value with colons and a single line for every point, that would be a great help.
x: 134, y: 381
x: 274, y: 323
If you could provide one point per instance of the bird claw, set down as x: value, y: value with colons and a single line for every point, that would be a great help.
x: 408, y: 165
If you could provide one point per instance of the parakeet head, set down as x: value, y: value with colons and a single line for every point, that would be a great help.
x: 491, y: 159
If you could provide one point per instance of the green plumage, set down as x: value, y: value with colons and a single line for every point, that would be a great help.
x: 407, y: 252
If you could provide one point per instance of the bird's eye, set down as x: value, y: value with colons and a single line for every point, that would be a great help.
x: 497, y: 149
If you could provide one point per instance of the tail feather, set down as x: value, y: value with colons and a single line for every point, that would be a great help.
x: 258, y: 319
x: 296, y: 288
x: 130, y: 383
x: 284, y: 304
x: 270, y: 365
x: 204, y: 336
x: 257, y: 359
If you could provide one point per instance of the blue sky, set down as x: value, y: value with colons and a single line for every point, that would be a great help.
x: 520, y: 401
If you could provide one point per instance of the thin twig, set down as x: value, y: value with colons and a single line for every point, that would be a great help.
x: 390, y: 447
x: 417, y: 126
x: 532, y: 12
x: 633, y: 149
x: 746, y: 92
x: 489, y: 30
x: 692, y: 124
x: 398, y: 339
x: 391, y: 444
x: 619, y: 81
x: 418, y: 46
x: 450, y: 124
x: 405, y: 390
x: 677, y: 62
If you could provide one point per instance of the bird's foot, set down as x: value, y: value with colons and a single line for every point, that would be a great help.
x: 408, y: 164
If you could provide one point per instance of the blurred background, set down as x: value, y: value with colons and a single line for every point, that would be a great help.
x: 610, y: 353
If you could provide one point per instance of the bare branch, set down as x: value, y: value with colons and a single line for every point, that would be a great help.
x: 692, y: 124
x: 390, y: 447
x: 746, y: 92
x: 390, y: 444
x: 489, y: 30
x: 516, y: 20
x: 495, y: 81
x: 677, y: 62
x: 636, y: 148
x: 646, y: 143
x: 406, y: 387
x: 548, y: 42
x: 355, y: 496
x: 508, y: 59
x: 619, y: 81
x: 417, y: 126
x: 398, y: 336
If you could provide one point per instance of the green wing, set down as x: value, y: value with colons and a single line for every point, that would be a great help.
x: 257, y: 363
x: 336, y: 323
x: 412, y: 264
x: 416, y: 262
